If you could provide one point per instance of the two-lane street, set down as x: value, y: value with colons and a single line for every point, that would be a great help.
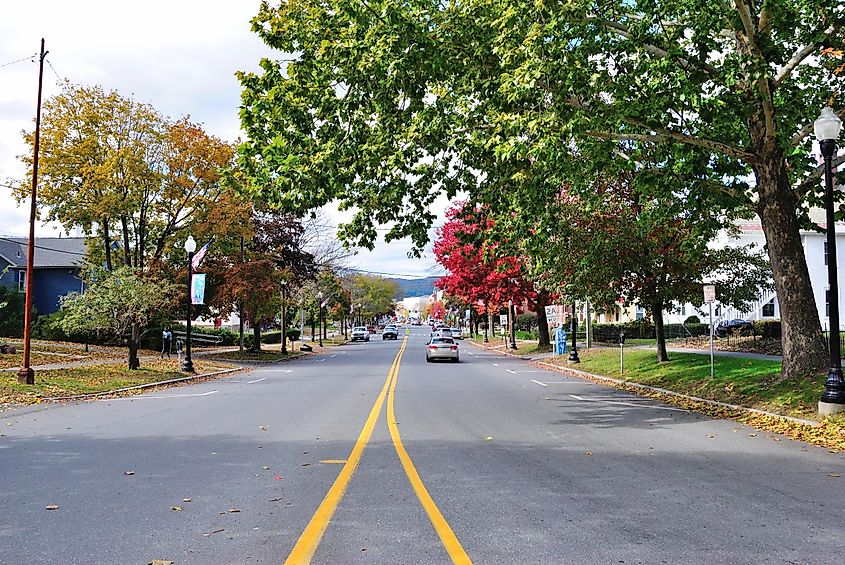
x: 368, y: 454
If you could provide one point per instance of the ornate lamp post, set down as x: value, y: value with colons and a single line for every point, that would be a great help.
x: 284, y: 319
x: 320, y: 315
x: 573, y: 352
x: 512, y: 316
x: 190, y: 247
x: 827, y: 128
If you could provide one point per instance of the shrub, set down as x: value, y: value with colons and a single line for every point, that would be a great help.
x: 12, y: 305
x: 692, y: 320
x: 527, y: 321
x: 768, y: 328
x: 293, y: 334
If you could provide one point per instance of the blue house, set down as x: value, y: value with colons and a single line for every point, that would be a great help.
x: 58, y: 261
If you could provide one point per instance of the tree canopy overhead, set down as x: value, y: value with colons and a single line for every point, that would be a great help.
x: 387, y: 102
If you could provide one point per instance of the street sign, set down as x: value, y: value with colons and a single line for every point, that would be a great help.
x: 503, y: 319
x: 709, y: 293
x: 551, y: 314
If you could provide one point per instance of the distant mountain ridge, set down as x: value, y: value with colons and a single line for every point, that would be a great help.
x: 414, y: 287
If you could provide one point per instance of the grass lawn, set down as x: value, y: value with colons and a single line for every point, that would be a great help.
x: 94, y: 378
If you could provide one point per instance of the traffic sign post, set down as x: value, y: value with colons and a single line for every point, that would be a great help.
x: 710, y: 298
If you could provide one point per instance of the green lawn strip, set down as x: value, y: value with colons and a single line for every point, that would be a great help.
x: 39, y: 358
x: 91, y: 379
x: 746, y: 382
x: 530, y: 348
x: 247, y: 355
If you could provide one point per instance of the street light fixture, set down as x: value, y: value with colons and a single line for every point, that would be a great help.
x: 190, y: 247
x: 320, y: 316
x: 827, y: 128
x: 573, y: 352
x: 284, y: 319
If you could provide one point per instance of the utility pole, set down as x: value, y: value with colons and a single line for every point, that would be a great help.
x: 26, y: 375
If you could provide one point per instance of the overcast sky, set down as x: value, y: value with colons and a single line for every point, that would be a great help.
x: 180, y: 56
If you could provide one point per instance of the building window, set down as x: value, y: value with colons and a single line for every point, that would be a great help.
x: 640, y: 313
x: 21, y: 281
x: 827, y: 302
x: 825, y: 253
x: 769, y: 309
x: 683, y: 310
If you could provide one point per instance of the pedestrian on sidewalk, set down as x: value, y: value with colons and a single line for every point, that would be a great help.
x: 166, y: 339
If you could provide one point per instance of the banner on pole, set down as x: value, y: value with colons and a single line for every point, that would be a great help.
x: 197, y: 288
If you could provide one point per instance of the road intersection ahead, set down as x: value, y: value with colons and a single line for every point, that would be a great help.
x: 371, y: 455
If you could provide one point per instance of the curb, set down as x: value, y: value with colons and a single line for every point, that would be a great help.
x: 140, y: 387
x: 614, y: 381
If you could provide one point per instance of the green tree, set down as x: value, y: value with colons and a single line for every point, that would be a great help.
x: 122, y: 303
x: 12, y: 307
x: 382, y: 107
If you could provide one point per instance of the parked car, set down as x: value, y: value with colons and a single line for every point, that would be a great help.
x: 457, y: 333
x: 442, y: 332
x: 726, y: 327
x: 389, y: 332
x: 441, y: 348
x: 360, y: 333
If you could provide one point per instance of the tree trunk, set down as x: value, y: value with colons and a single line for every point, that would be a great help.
x: 542, y: 321
x: 804, y: 350
x: 127, y: 252
x: 256, y: 337
x: 133, y: 345
x: 107, y: 244
x: 240, y: 329
x: 659, y: 334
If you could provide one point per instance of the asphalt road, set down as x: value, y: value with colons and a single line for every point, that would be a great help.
x: 490, y: 460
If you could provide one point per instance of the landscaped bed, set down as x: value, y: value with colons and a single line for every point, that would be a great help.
x: 263, y: 355
x: 94, y: 378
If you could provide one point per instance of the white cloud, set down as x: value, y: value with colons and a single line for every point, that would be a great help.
x: 179, y: 56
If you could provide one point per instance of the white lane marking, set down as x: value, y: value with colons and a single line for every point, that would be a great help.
x: 495, y: 364
x: 256, y: 380
x: 159, y: 397
x: 335, y: 355
x: 539, y: 383
x: 576, y: 397
x: 511, y: 372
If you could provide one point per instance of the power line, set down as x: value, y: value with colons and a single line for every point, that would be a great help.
x: 30, y: 58
x: 52, y: 68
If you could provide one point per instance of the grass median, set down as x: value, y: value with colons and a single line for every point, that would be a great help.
x: 94, y: 378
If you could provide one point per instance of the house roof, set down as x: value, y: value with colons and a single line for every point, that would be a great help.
x: 58, y: 252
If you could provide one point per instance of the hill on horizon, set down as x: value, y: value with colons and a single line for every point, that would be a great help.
x: 414, y: 287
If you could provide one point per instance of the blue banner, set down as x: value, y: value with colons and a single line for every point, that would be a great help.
x: 197, y: 288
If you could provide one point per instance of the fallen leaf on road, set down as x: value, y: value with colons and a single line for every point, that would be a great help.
x: 262, y: 428
x: 266, y: 467
x: 214, y: 532
x: 160, y: 562
x: 176, y: 508
x: 710, y: 436
x: 52, y: 507
x: 752, y: 435
x: 275, y: 499
x: 834, y: 475
x: 186, y: 500
x: 590, y: 453
x: 129, y: 473
x: 278, y: 478
x: 305, y: 464
x: 234, y: 510
x: 488, y: 438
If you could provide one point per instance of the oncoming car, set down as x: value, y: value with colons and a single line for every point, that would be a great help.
x: 360, y: 333
x: 441, y: 348
x: 389, y: 332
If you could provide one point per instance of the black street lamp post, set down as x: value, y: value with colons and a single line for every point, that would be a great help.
x: 573, y: 352
x: 190, y: 247
x: 827, y: 128
x: 284, y: 320
x: 512, y: 316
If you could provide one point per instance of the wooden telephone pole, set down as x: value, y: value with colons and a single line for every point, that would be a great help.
x: 26, y: 375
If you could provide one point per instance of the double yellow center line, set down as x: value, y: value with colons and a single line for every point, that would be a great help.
x: 307, y: 544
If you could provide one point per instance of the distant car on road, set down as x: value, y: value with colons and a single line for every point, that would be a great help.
x: 389, y: 332
x: 371, y: 329
x: 456, y: 333
x: 360, y: 333
x: 738, y: 326
x: 441, y: 348
x: 442, y: 332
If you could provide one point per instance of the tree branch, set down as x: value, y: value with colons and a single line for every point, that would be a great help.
x: 798, y: 57
x: 802, y: 134
x: 665, y: 135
